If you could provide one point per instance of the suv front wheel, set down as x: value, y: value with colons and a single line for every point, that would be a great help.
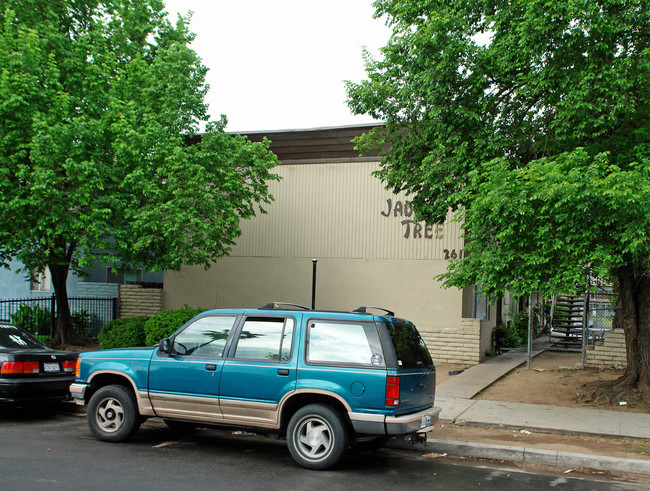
x: 112, y: 414
x: 316, y: 437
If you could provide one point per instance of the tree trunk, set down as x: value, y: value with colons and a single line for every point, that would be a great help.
x: 633, y: 315
x: 64, y: 332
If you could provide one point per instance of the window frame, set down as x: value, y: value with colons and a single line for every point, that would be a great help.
x: 273, y: 318
x: 188, y: 325
x: 480, y: 304
x: 40, y: 281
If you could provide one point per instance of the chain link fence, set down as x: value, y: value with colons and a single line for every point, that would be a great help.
x: 564, y: 330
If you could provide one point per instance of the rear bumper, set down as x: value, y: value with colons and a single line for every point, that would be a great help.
x: 378, y: 424
x: 28, y: 389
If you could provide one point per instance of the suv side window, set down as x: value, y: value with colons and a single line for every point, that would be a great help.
x: 204, y: 338
x: 344, y: 343
x: 266, y: 338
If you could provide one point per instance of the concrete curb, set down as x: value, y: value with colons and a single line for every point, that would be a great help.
x: 527, y: 455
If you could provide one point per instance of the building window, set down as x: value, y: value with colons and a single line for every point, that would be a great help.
x: 122, y: 277
x: 40, y: 280
x: 481, y: 305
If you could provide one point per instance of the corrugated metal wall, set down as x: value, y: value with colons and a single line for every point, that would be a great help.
x: 339, y: 210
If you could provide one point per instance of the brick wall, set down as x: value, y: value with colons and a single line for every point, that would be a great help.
x: 611, y: 352
x: 92, y: 289
x: 136, y: 301
x: 461, y: 345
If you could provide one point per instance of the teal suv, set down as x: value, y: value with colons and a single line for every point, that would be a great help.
x: 325, y: 381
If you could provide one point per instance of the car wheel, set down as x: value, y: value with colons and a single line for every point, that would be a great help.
x: 112, y: 414
x: 316, y: 437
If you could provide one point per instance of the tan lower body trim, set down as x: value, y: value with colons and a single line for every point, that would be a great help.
x: 193, y: 408
x: 250, y: 413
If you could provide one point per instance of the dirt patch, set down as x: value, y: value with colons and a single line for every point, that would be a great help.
x: 553, y: 379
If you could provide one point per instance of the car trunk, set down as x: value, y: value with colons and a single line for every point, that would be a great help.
x: 44, y: 363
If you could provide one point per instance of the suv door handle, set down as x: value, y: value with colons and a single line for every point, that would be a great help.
x: 283, y: 371
x: 211, y: 367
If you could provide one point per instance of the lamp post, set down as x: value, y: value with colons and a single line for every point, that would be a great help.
x: 313, y: 283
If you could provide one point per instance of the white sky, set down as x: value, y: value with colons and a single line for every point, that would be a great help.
x: 280, y: 64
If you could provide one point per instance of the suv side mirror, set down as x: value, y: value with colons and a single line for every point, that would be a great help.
x: 165, y: 345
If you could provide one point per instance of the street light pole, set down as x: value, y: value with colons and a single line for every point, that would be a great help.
x: 313, y: 284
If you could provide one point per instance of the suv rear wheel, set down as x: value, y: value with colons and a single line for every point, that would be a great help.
x: 112, y: 414
x: 316, y: 437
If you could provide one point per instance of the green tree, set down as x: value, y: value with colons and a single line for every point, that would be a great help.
x: 531, y: 121
x: 98, y: 99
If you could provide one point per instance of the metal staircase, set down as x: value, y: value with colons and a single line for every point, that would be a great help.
x: 567, y: 323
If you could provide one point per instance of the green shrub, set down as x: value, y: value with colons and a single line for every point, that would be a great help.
x: 35, y: 320
x: 506, y: 336
x: 123, y: 333
x: 165, y: 323
x: 80, y: 322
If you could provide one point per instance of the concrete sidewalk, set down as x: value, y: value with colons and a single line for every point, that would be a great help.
x: 454, y: 396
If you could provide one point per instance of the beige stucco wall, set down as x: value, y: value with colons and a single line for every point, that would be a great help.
x: 406, y: 287
x: 340, y: 210
x: 370, y: 251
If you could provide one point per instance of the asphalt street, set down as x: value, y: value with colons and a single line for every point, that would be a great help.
x: 43, y: 449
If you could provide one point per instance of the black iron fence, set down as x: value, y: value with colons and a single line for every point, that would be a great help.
x: 37, y: 315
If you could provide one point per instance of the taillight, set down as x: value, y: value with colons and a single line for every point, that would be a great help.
x: 12, y: 367
x: 22, y: 367
x: 77, y: 370
x: 69, y: 365
x: 392, y: 391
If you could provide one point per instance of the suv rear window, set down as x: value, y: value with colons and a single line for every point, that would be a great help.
x: 409, y: 346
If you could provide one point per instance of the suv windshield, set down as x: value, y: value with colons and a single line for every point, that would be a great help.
x: 409, y: 347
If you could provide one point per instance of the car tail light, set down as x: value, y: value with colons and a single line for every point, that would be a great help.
x: 77, y: 370
x: 392, y: 391
x: 69, y: 365
x: 22, y: 367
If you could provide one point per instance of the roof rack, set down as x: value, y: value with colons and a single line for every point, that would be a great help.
x: 282, y: 305
x: 364, y: 310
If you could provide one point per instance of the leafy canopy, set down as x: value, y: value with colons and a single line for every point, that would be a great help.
x: 531, y: 120
x: 97, y: 101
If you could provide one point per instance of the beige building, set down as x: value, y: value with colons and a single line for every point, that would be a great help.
x: 369, y: 250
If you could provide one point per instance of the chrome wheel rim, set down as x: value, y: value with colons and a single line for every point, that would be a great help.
x: 109, y: 415
x: 314, y: 438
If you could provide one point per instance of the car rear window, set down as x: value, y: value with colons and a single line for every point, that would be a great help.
x: 11, y: 337
x: 409, y: 346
